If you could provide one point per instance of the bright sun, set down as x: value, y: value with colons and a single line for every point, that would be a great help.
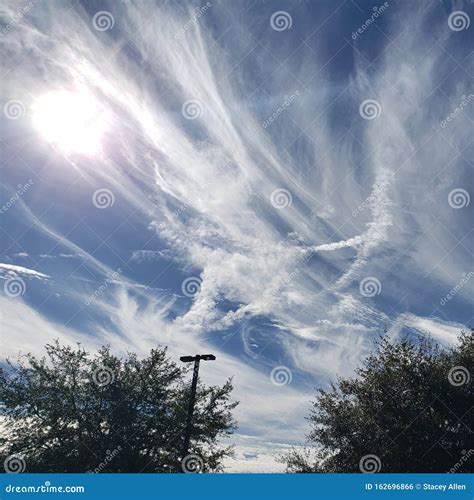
x: 73, y: 121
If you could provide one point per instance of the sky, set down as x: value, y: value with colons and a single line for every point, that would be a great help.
x: 276, y: 182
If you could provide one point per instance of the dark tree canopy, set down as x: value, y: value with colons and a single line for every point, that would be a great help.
x: 410, y: 409
x: 73, y: 412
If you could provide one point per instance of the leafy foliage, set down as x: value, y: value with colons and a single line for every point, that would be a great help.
x: 70, y: 412
x: 403, y: 408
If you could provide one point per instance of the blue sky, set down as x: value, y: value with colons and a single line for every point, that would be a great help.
x: 273, y: 182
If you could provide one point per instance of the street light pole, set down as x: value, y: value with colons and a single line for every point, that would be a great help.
x: 192, y: 397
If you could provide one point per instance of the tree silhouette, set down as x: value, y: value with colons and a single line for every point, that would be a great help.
x: 409, y: 410
x: 72, y: 412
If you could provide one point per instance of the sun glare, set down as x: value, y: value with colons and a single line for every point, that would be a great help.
x: 73, y: 121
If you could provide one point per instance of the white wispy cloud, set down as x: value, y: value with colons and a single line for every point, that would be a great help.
x: 441, y: 331
x: 15, y: 269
